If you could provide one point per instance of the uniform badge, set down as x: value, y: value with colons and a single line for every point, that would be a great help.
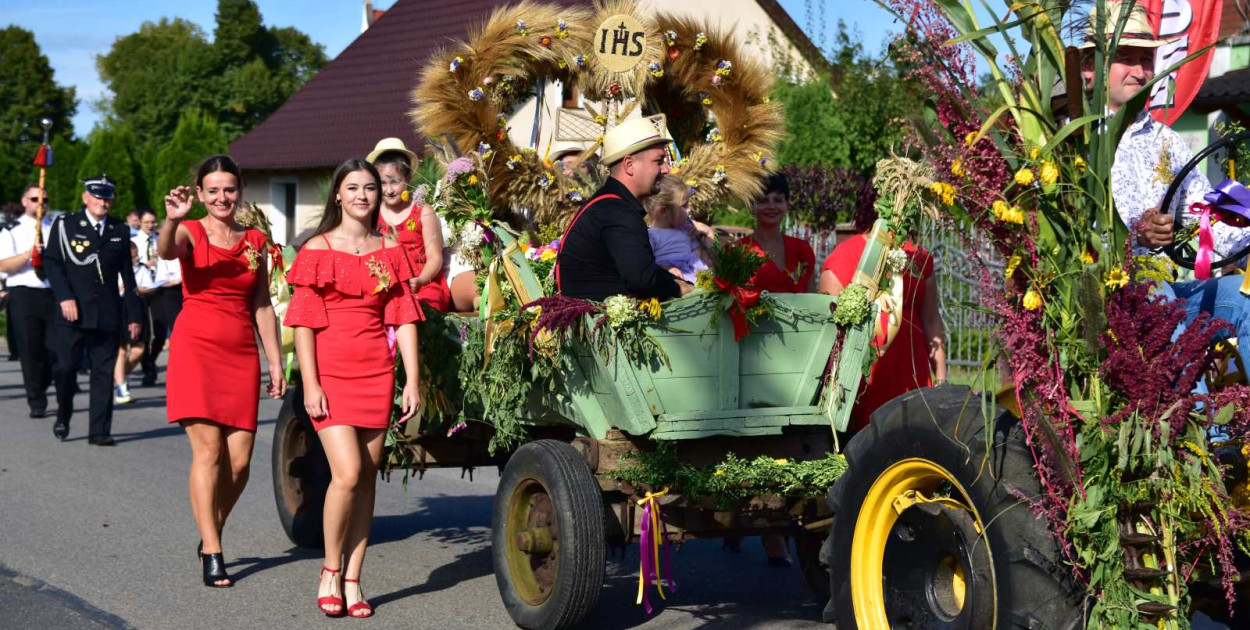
x: 82, y: 222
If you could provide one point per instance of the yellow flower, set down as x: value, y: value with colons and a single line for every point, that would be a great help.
x: 651, y: 307
x: 1032, y: 300
x: 548, y: 255
x: 1024, y: 177
x: 944, y: 191
x: 1015, y: 215
x: 1116, y: 278
x: 473, y: 180
x: 782, y: 461
x: 1087, y: 258
x: 1049, y: 173
x: 1012, y: 263
x: 971, y: 138
x: 957, y: 168
x: 718, y: 472
x: 406, y: 196
x: 1035, y: 153
x: 1079, y: 162
x: 525, y: 246
x: 1001, y: 209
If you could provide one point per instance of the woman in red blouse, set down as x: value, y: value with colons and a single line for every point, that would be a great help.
x: 414, y: 225
x: 791, y: 263
x: 350, y: 282
x: 917, y: 358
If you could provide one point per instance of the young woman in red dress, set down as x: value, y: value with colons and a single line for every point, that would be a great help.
x: 917, y: 358
x: 213, y: 378
x: 791, y: 263
x: 350, y: 283
x: 414, y: 225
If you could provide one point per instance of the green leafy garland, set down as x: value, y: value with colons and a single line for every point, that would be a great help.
x: 735, y: 479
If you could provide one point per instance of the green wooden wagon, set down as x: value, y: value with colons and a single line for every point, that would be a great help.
x: 560, y: 500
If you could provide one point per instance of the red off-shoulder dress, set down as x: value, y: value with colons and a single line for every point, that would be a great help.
x: 348, y: 300
x: 214, y: 368
x: 410, y: 236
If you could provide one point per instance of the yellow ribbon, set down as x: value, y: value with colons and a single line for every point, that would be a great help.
x: 656, y: 538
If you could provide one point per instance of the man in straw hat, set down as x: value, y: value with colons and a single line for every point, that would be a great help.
x: 1149, y: 156
x: 605, y: 250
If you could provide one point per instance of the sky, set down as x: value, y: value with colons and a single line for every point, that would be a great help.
x: 72, y: 32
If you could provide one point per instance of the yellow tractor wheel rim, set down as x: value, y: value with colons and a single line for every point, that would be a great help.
x: 873, y: 526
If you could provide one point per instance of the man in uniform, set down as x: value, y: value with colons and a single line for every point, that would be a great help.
x: 605, y: 250
x: 88, y: 253
x: 30, y: 314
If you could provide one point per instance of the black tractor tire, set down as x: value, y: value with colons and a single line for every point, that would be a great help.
x: 944, y: 566
x: 548, y: 501
x: 301, y: 473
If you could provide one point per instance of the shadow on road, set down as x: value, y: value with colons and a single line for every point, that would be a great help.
x: 450, y: 518
x: 254, y: 565
x: 469, y: 565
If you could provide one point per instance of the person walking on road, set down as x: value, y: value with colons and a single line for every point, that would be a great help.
x: 87, y: 253
x: 30, y: 303
x: 213, y: 381
x: 350, y: 282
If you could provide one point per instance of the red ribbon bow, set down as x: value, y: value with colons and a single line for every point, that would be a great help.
x: 743, y: 299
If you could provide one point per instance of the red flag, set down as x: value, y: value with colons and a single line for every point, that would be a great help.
x: 43, y: 159
x: 1188, y: 26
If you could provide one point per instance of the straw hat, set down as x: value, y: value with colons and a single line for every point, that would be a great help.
x: 561, y: 148
x: 632, y: 136
x: 1137, y: 31
x: 387, y: 145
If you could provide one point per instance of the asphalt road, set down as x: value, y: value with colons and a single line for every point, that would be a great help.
x: 94, y: 538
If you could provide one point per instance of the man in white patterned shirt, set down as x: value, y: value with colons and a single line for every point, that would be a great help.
x: 1149, y: 156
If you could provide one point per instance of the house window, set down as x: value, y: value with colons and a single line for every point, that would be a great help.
x: 284, y: 195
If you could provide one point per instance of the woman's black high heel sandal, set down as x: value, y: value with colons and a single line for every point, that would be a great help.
x: 215, y: 570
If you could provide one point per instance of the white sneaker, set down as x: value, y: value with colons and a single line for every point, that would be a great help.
x: 121, y: 394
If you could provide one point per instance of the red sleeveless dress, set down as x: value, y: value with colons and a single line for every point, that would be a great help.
x: 409, y: 234
x: 214, y: 368
x: 344, y: 300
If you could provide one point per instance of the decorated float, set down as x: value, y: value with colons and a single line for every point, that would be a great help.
x: 1095, y: 491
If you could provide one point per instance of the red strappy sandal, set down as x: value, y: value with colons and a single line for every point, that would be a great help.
x: 360, y: 609
x: 329, y: 600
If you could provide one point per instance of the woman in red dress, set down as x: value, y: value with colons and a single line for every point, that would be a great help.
x: 350, y: 282
x: 917, y: 357
x: 415, y: 226
x: 213, y: 378
x: 791, y: 263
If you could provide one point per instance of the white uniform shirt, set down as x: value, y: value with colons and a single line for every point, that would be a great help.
x: 18, y: 240
x: 146, y: 245
x: 1149, y: 156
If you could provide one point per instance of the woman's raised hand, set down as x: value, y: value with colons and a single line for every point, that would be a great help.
x: 178, y: 203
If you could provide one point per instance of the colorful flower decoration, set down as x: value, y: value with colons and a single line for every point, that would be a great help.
x: 601, y: 120
x: 716, y: 80
x: 957, y: 168
x: 252, y: 255
x: 761, y: 158
x: 1116, y: 279
x: 484, y: 150
x: 1024, y: 176
x: 1079, y: 163
x: 545, y: 41
x: 670, y: 38
x: 699, y: 40
x: 406, y: 196
x: 676, y: 168
x: 379, y: 271
x: 575, y: 196
x: 971, y: 138
x: 944, y: 191
x: 1087, y: 258
x: 455, y: 65
x: 521, y: 28
x: 1032, y: 300
x: 580, y: 61
x: 514, y: 162
x: 562, y: 29
x: 718, y: 176
x: 693, y: 184
x: 1012, y: 264
x: 704, y: 98
x: 562, y: 64
x: 723, y: 67
x: 615, y: 89
x: 476, y: 94
x: 411, y: 225
x: 544, y: 182
x: 1049, y: 173
x: 715, y: 135
x: 655, y: 69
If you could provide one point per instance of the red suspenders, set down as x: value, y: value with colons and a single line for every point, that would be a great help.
x: 568, y: 229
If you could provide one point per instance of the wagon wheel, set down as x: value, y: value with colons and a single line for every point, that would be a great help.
x: 1181, y: 250
x: 301, y: 473
x: 547, y: 537
x: 931, y: 533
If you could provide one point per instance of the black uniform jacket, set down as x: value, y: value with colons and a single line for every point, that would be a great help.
x: 607, y: 252
x: 94, y: 285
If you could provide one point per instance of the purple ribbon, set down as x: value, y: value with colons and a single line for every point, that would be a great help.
x: 649, y: 551
x: 1231, y: 203
x: 1230, y: 196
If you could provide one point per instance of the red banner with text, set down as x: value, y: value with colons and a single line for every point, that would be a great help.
x: 1188, y: 26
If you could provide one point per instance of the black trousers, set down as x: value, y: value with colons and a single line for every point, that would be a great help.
x: 30, y: 319
x: 101, y: 348
x: 163, y: 307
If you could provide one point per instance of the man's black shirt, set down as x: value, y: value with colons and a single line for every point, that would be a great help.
x: 608, y: 252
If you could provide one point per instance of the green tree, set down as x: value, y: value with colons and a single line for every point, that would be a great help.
x: 815, y: 131
x: 112, y: 152
x: 64, y: 187
x: 196, y: 138
x: 28, y: 92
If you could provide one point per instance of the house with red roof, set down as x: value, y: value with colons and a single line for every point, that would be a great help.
x: 365, y: 93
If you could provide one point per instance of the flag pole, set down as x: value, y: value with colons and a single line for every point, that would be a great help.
x: 43, y: 159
